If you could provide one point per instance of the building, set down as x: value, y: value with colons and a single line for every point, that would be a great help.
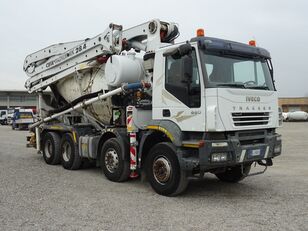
x: 294, y: 104
x: 17, y: 98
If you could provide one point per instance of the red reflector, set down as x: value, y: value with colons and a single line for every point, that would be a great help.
x: 201, y: 143
x: 102, y: 59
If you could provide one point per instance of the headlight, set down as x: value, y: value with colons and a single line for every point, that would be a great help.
x: 277, y: 148
x: 219, y: 157
x: 278, y: 138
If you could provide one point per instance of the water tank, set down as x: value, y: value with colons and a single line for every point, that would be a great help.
x: 125, y: 68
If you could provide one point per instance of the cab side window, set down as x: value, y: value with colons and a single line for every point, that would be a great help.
x: 185, y: 88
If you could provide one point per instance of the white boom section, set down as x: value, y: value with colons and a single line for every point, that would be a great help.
x: 39, y: 69
x: 49, y: 65
x: 149, y: 31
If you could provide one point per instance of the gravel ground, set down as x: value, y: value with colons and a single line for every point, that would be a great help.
x: 35, y: 196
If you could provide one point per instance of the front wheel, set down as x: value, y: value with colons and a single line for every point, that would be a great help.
x: 163, y: 170
x: 234, y: 174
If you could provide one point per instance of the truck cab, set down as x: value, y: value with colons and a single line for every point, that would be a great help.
x: 3, y: 117
x: 22, y: 118
x: 217, y: 101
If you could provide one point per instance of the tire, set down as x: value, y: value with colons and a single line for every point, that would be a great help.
x: 70, y: 158
x: 51, y: 148
x: 234, y: 174
x: 113, y: 165
x: 163, y: 170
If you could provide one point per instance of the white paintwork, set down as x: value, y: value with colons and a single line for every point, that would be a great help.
x: 297, y: 115
x: 80, y: 74
x: 285, y: 115
x: 188, y: 119
x: 43, y: 65
x: 242, y: 155
x: 266, y: 152
x: 124, y: 68
x: 230, y: 101
x: 24, y: 121
x: 141, y: 118
x: 4, y: 115
x: 73, y: 68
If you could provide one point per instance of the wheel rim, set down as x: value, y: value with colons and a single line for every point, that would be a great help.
x: 111, y: 160
x: 48, y: 149
x: 162, y: 170
x: 66, y: 151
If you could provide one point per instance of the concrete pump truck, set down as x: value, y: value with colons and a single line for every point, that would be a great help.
x: 135, y: 102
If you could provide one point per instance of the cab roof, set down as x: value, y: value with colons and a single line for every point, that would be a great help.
x: 230, y: 47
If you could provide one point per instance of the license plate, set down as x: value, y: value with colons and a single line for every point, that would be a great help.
x: 255, y: 152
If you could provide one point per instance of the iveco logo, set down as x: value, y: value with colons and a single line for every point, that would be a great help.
x: 252, y: 99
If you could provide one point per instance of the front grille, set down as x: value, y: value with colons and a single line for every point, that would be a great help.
x: 250, y: 118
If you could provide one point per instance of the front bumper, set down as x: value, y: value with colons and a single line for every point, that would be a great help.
x: 236, y: 152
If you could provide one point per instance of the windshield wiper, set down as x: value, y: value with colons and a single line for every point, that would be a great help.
x: 238, y: 85
x: 257, y: 87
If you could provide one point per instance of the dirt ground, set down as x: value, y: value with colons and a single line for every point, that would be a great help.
x: 36, y: 196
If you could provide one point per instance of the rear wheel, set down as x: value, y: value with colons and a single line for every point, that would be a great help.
x: 234, y: 174
x: 114, y: 166
x: 163, y: 170
x: 51, y: 148
x: 70, y: 158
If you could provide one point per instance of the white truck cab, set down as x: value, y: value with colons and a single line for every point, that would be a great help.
x: 219, y: 97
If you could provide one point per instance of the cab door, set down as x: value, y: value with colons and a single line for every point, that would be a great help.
x: 178, y: 90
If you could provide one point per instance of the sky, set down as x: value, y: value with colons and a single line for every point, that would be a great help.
x: 279, y: 26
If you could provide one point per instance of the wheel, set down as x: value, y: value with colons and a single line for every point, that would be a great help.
x: 51, y: 148
x: 234, y: 174
x: 114, y: 167
x: 70, y: 158
x: 163, y: 170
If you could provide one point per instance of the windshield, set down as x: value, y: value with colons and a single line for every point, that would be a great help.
x: 235, y: 71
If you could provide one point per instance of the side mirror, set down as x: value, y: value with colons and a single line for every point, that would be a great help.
x: 179, y: 52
